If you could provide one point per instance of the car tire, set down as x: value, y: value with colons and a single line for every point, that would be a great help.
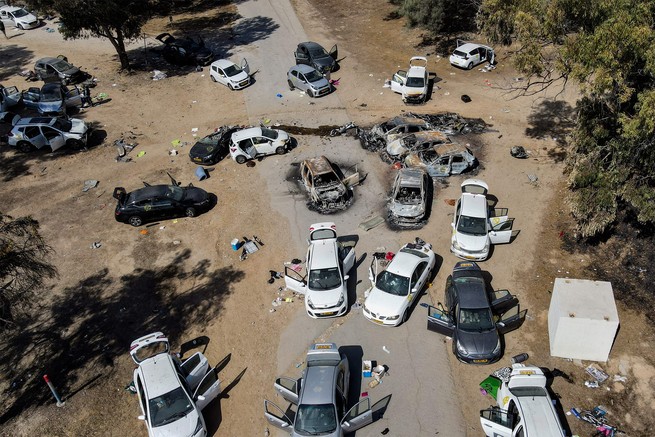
x: 309, y: 93
x: 291, y: 87
x: 229, y: 85
x: 190, y: 212
x: 280, y: 150
x: 405, y: 316
x: 469, y: 66
x: 75, y: 144
x: 240, y: 159
x: 212, y: 78
x: 136, y: 221
x: 20, y: 26
x: 25, y: 147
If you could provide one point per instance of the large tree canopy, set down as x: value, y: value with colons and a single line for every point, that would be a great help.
x: 608, y: 48
x: 117, y: 20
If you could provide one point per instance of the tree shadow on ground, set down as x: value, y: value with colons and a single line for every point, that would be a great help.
x: 554, y: 118
x: 15, y: 59
x: 91, y: 324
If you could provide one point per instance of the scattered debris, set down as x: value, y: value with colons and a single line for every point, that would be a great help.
x: 371, y: 223
x: 384, y: 348
x: 158, y: 75
x: 95, y: 245
x: 518, y: 152
x: 533, y: 178
x: 597, y: 374
x: 88, y: 184
x: 465, y: 98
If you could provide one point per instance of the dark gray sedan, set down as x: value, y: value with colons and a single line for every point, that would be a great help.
x: 307, y: 79
x: 311, y: 53
x: 475, y: 317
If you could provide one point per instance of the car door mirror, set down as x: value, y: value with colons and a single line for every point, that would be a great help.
x: 346, y: 277
x: 414, y: 290
x: 200, y: 398
x: 500, y: 324
x: 142, y: 417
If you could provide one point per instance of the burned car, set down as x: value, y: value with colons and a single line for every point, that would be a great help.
x: 402, y: 124
x: 401, y: 146
x: 442, y: 160
x: 214, y: 147
x: 408, y: 205
x: 52, y: 99
x: 59, y: 69
x: 185, y: 51
x: 328, y: 190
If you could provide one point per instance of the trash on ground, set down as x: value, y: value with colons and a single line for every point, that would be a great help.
x: 172, y: 152
x: 95, y: 245
x: 465, y: 98
x: 597, y: 374
x: 88, y: 184
x: 532, y: 178
x: 140, y: 154
x: 371, y: 223
x: 143, y: 232
x: 384, y: 348
x: 518, y: 152
x: 490, y: 386
x: 158, y: 75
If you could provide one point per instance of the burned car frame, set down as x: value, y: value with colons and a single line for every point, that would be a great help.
x: 326, y: 186
x: 408, y: 204
x: 416, y: 142
x: 443, y: 160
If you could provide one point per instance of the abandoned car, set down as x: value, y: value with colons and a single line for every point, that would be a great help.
x: 256, y: 142
x: 402, y: 124
x: 9, y: 97
x: 395, y: 289
x: 306, y: 78
x: 185, y: 51
x: 18, y: 17
x: 158, y: 202
x: 476, y: 225
x: 59, y: 69
x: 408, y: 203
x: 468, y: 55
x: 33, y: 133
x: 416, y: 142
x: 313, y: 54
x: 52, y: 99
x: 442, y: 160
x: 413, y: 83
x: 214, y: 147
x: 328, y: 190
x: 474, y: 315
x: 228, y: 73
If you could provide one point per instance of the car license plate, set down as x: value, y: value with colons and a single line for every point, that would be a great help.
x: 469, y: 257
x: 480, y: 361
x: 331, y: 313
x: 197, y: 159
x: 378, y: 321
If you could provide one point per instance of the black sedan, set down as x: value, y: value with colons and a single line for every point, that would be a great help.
x: 212, y: 148
x: 475, y: 317
x: 156, y: 202
x: 314, y: 54
x: 185, y: 51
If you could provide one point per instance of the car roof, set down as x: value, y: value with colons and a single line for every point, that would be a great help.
x: 159, y: 375
x: 403, y: 264
x: 431, y: 135
x: 310, y: 44
x: 450, y: 149
x: 10, y: 8
x: 319, y: 165
x: 324, y: 254
x: 474, y: 205
x: 411, y: 177
x: 148, y: 192
x: 48, y: 60
x: 223, y: 63
x: 416, y: 72
x: 246, y: 133
x: 35, y: 120
x: 303, y: 68
x: 472, y: 294
x: 402, y: 120
x: 467, y: 47
x: 319, y: 385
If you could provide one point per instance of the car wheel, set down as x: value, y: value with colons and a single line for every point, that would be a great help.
x: 75, y: 144
x: 229, y: 85
x: 240, y: 159
x: 405, y: 316
x: 309, y: 93
x: 136, y: 221
x: 25, y: 147
x: 190, y: 212
x: 291, y: 87
x: 280, y: 150
x: 469, y: 66
x: 20, y: 26
x: 213, y: 78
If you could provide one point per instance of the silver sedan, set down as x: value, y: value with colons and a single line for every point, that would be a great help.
x: 307, y: 79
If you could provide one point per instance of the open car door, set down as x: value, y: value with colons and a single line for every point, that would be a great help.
x: 73, y: 98
x: 352, y: 180
x: 475, y: 186
x: 194, y: 369
x: 276, y: 416
x: 334, y: 52
x: 502, y: 300
x: 244, y: 66
x: 288, y: 388
x: 208, y: 389
x: 439, y: 321
x: 56, y: 142
x: 511, y: 319
x: 294, y: 281
x: 358, y: 416
x: 10, y: 97
x: 349, y: 260
x: 398, y: 81
x: 496, y: 422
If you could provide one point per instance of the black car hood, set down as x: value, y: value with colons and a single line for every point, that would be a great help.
x: 326, y: 61
x: 478, y: 343
x: 195, y: 195
x: 202, y: 149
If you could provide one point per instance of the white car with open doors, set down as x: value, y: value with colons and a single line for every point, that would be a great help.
x: 468, y: 55
x: 256, y: 142
x: 324, y: 282
x: 171, y: 393
x: 396, y: 288
x: 320, y: 397
x: 413, y: 83
x: 231, y: 75
x: 476, y: 225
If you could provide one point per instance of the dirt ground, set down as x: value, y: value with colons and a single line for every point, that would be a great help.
x: 182, y: 277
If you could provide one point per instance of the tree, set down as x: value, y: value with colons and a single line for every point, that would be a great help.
x: 117, y: 20
x: 23, y: 265
x: 439, y: 16
x: 607, y: 47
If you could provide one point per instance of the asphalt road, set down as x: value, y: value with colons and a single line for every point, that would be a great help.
x: 423, y: 401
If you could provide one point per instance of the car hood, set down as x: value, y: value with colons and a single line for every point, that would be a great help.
x: 29, y: 18
x: 70, y: 72
x: 195, y: 195
x: 78, y: 126
x: 321, y: 83
x: 385, y: 304
x: 478, y: 343
x: 239, y: 77
x: 282, y: 136
x: 471, y: 242
x: 57, y: 106
x: 325, y: 297
x: 181, y: 427
x: 325, y: 61
x: 202, y: 149
x: 395, y: 147
x: 405, y: 210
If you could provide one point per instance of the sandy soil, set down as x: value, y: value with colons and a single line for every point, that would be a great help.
x: 182, y: 277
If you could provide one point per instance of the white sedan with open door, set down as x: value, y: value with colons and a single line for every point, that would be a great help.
x: 324, y: 281
x: 171, y: 393
x: 476, y: 225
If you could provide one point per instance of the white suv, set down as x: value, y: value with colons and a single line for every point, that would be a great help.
x: 413, y: 83
x: 37, y: 132
x: 172, y: 393
x: 328, y: 263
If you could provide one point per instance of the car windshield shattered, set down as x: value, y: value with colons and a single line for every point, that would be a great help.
x: 476, y: 320
x: 415, y: 82
x: 62, y: 125
x: 316, y: 419
x: 271, y: 134
x: 324, y: 279
x: 169, y: 407
x: 392, y: 283
x: 472, y: 225
x: 174, y: 192
x: 313, y: 76
x: 232, y: 70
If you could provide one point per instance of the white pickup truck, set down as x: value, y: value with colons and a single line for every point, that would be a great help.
x: 525, y: 409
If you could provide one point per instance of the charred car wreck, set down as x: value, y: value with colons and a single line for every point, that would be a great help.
x: 408, y: 205
x: 443, y: 160
x: 326, y: 186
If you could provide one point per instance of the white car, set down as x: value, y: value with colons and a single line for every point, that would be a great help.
x: 327, y: 265
x: 468, y: 55
x: 18, y: 17
x: 395, y: 288
x: 413, y: 83
x: 230, y: 74
x: 172, y: 394
x: 33, y: 133
x: 256, y: 142
x: 476, y: 226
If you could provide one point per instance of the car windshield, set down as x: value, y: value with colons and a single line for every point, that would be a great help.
x: 174, y: 192
x: 476, y: 320
x: 61, y: 65
x: 20, y: 13
x: 528, y: 392
x: 317, y: 52
x: 316, y: 419
x: 392, y: 283
x: 271, y: 134
x: 63, y: 125
x: 409, y: 195
x: 313, y: 76
x: 232, y: 70
x: 169, y: 407
x: 51, y: 94
x: 324, y: 279
x: 415, y: 82
x: 472, y: 225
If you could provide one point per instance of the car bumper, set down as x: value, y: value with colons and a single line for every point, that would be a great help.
x: 325, y: 313
x: 241, y: 85
x: 478, y: 360
x: 470, y: 256
x: 414, y: 99
x: 32, y: 25
x: 380, y: 321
